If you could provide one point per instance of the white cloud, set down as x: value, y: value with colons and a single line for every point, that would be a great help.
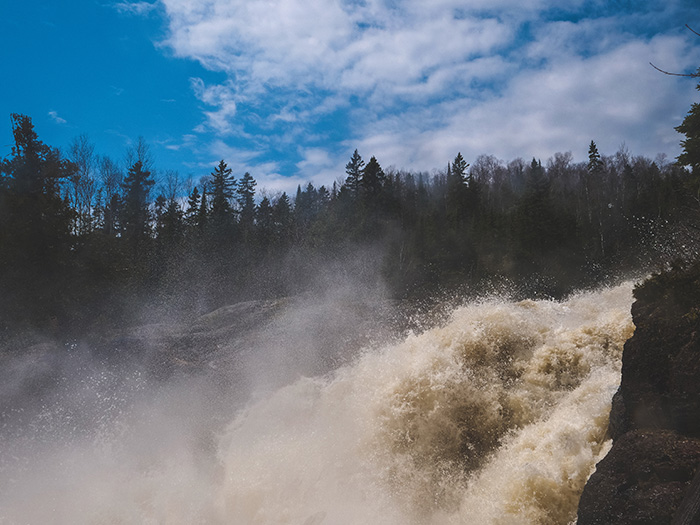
x: 418, y: 81
x: 274, y: 183
x: 223, y: 97
x: 314, y: 159
x: 135, y: 8
x: 56, y: 118
x: 297, y: 44
x: 187, y: 141
x: 612, y: 98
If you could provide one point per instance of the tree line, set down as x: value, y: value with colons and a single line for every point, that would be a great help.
x: 86, y: 243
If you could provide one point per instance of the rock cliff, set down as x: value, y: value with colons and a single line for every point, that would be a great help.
x: 655, y: 419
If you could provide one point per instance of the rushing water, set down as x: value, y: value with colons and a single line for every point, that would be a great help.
x: 497, y: 416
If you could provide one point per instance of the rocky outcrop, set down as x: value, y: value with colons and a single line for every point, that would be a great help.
x: 655, y: 419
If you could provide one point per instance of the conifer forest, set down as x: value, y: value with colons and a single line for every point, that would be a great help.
x: 85, y: 237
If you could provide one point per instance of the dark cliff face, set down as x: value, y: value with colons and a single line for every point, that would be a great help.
x: 655, y: 419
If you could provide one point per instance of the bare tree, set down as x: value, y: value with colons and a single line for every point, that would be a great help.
x: 82, y: 185
x: 111, y: 179
x: 140, y: 151
x: 172, y: 185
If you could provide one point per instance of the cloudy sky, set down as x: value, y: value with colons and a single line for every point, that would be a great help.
x: 287, y: 89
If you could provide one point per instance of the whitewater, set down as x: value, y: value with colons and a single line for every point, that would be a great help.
x: 496, y: 416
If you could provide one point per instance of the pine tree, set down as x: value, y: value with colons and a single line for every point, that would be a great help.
x: 35, y: 226
x: 282, y: 215
x: 459, y: 169
x: 222, y: 187
x: 457, y: 198
x: 135, y: 217
x: 690, y: 156
x: 353, y: 169
x: 203, y: 215
x: 192, y: 211
x: 595, y: 164
x: 594, y: 168
x: 265, y: 222
x: 538, y: 227
x: 691, y: 144
x: 171, y: 225
x: 246, y: 201
x: 159, y: 206
x: 372, y: 181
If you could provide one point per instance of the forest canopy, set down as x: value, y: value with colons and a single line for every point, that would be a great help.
x: 84, y: 238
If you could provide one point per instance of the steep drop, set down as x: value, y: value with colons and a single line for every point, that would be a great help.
x: 497, y: 416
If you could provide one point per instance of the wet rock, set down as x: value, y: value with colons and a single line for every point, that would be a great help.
x: 642, y: 480
x: 655, y: 417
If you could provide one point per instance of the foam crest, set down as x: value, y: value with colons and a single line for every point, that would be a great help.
x: 498, y: 416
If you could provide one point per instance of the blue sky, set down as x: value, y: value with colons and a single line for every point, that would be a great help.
x: 287, y: 89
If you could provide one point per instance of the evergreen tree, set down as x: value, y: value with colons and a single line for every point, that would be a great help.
x: 35, y: 226
x: 537, y: 221
x: 159, y: 207
x: 265, y: 221
x: 221, y: 191
x: 594, y: 168
x: 691, y: 144
x: 203, y: 215
x: 282, y: 215
x: 324, y: 197
x: 595, y: 164
x: 459, y: 169
x: 246, y: 201
x: 171, y: 225
x: 135, y: 217
x: 372, y: 181
x: 353, y: 169
x: 690, y: 156
x: 456, y: 199
x: 192, y: 211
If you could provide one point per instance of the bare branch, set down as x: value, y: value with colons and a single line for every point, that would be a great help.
x: 692, y: 30
x: 691, y: 75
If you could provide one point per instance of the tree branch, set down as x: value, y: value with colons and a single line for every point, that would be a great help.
x: 691, y: 75
x: 692, y: 30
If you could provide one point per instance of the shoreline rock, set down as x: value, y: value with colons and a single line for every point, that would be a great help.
x: 655, y: 417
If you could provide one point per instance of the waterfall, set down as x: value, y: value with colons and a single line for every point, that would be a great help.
x: 498, y: 416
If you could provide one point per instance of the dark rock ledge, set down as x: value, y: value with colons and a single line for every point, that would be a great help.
x: 648, y: 475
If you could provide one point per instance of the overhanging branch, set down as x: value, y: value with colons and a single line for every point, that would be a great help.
x: 691, y: 75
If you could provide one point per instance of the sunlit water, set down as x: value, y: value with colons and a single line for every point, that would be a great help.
x: 498, y: 416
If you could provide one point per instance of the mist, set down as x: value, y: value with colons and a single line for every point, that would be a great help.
x: 331, y: 406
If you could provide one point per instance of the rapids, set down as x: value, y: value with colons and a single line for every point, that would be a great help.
x: 497, y: 416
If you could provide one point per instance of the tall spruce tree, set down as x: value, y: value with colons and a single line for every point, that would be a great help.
x: 690, y: 156
x: 282, y: 215
x: 372, y: 181
x: 35, y: 226
x: 221, y: 191
x: 245, y: 195
x: 456, y: 200
x: 595, y: 164
x: 353, y: 170
x: 265, y: 222
x: 136, y: 216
